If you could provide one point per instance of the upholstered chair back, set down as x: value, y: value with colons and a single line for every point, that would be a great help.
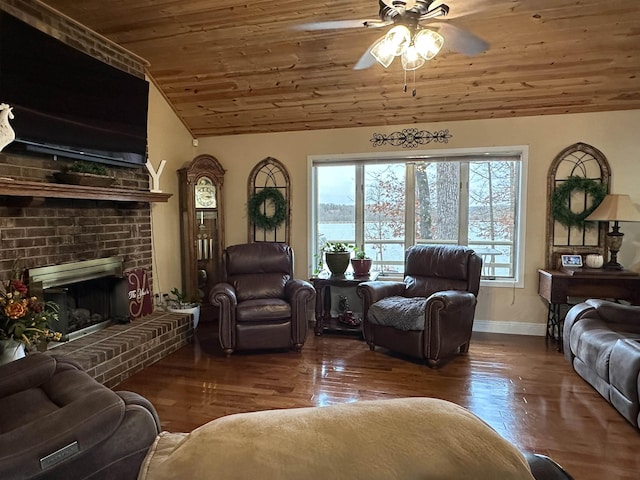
x: 258, y: 270
x: 430, y: 269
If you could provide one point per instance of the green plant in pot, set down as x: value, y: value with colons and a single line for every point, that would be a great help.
x: 85, y: 173
x: 337, y: 255
x: 361, y: 263
x: 178, y: 302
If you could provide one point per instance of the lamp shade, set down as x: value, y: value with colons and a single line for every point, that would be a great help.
x: 615, y: 207
x: 411, y: 59
x: 428, y: 43
x: 382, y: 52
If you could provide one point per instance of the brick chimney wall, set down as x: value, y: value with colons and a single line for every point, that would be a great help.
x: 47, y: 231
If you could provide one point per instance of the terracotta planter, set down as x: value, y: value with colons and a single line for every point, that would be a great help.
x: 337, y: 262
x: 361, y: 267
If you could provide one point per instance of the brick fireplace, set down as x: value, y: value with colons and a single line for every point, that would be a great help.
x: 44, y: 223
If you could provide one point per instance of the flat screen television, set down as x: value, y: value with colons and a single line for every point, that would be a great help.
x: 68, y: 103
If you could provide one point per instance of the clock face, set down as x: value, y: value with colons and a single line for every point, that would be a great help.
x: 205, y: 192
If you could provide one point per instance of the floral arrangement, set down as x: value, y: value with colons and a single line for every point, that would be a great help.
x: 23, y: 318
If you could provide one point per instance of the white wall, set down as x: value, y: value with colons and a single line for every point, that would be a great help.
x: 499, y: 309
x: 168, y: 140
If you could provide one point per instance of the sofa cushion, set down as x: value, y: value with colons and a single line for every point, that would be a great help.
x: 263, y: 310
x: 410, y: 438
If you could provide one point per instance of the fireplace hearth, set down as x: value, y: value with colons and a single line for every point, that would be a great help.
x: 91, y: 294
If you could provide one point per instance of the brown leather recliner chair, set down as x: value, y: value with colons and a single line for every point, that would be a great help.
x: 261, y: 305
x: 56, y: 422
x: 430, y: 314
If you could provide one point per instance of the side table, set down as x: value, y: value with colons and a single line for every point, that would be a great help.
x: 556, y: 286
x: 323, y: 283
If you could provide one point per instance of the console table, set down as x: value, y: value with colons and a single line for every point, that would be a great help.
x: 323, y: 283
x: 556, y: 286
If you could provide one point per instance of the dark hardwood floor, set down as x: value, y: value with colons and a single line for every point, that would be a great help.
x: 519, y: 385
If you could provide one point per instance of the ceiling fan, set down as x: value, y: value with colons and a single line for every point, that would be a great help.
x: 409, y: 38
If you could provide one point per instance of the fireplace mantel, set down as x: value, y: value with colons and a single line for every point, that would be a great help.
x: 19, y: 188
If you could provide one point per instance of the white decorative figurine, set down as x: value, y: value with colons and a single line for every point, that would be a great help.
x: 7, y: 135
x: 155, y: 175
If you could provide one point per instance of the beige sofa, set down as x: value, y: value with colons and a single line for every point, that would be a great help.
x: 602, y: 342
x: 403, y: 439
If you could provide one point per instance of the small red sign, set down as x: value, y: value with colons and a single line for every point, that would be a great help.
x: 140, y: 303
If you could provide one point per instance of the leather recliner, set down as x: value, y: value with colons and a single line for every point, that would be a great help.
x: 56, y: 422
x: 430, y: 314
x: 261, y: 305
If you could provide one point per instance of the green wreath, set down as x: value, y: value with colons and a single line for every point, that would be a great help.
x: 257, y: 213
x: 561, y: 195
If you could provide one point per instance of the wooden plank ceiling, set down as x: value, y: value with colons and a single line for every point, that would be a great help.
x: 231, y: 67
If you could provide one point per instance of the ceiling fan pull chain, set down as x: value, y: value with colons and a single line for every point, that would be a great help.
x: 413, y: 93
x: 404, y: 89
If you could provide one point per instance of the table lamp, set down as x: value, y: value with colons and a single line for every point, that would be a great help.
x: 615, y: 208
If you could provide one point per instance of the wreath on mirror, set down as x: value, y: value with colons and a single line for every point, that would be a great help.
x: 257, y: 213
x: 561, y: 195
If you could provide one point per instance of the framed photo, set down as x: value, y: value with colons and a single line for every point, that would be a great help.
x: 572, y: 261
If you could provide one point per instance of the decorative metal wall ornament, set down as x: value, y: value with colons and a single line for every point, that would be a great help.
x: 411, y: 138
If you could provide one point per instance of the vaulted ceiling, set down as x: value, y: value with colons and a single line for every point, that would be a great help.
x: 231, y: 67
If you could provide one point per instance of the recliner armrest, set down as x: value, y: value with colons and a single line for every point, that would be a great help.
x: 453, y: 299
x: 295, y: 287
x: 82, y: 411
x: 613, y: 312
x: 371, y: 292
x: 223, y: 294
x: 29, y: 372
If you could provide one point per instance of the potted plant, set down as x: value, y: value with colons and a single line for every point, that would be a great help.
x: 179, y: 303
x: 85, y: 173
x: 337, y: 255
x: 361, y: 263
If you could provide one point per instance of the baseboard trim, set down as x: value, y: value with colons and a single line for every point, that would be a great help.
x: 512, y: 328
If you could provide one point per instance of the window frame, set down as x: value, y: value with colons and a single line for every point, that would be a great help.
x: 521, y: 151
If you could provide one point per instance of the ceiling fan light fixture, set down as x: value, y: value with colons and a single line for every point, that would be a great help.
x: 382, y: 52
x: 398, y: 39
x: 428, y: 43
x: 411, y: 59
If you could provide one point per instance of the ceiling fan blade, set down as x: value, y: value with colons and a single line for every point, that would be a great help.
x: 366, y: 60
x: 460, y: 40
x: 339, y: 24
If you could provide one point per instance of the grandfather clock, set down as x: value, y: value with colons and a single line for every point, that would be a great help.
x: 202, y: 222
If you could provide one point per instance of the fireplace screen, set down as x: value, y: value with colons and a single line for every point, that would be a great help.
x: 91, y: 295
